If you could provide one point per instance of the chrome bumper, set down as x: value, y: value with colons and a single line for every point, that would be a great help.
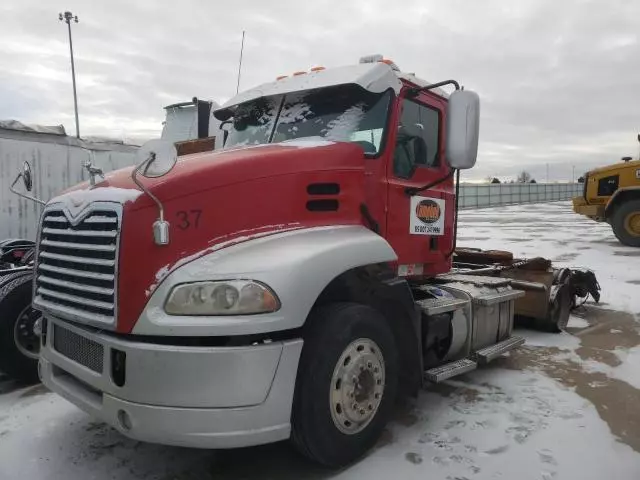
x: 203, y: 397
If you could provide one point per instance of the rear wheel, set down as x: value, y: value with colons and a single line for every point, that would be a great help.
x: 19, y: 346
x: 626, y: 223
x: 346, y: 385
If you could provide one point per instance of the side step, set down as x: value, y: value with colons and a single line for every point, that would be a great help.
x: 435, y: 306
x: 494, y: 351
x: 448, y: 370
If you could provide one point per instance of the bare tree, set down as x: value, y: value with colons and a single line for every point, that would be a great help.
x: 524, y: 177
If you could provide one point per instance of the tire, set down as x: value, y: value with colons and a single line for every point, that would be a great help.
x: 15, y: 298
x: 621, y: 226
x: 333, y: 335
x: 560, y: 305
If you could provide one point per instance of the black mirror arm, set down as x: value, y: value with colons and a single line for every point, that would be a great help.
x: 23, y: 195
x: 415, y: 91
x: 411, y: 191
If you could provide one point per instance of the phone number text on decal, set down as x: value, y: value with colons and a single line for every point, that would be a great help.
x: 421, y: 229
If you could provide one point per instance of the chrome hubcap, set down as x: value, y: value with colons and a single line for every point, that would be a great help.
x: 24, y: 335
x: 357, y: 386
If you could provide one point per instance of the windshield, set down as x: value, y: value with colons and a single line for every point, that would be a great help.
x: 343, y: 114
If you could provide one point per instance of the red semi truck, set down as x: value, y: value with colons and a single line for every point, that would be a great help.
x: 289, y: 285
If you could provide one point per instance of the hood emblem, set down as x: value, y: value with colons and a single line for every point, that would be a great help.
x: 75, y: 209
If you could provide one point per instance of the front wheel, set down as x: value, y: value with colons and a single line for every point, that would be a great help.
x: 346, y: 385
x: 19, y: 345
x: 626, y: 223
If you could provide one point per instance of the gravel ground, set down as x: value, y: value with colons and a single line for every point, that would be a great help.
x: 562, y: 407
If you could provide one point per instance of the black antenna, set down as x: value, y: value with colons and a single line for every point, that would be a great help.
x: 240, y: 63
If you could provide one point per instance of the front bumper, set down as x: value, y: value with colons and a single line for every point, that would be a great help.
x: 203, y: 397
x: 580, y: 206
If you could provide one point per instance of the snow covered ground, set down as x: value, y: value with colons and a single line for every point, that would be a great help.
x: 563, y: 407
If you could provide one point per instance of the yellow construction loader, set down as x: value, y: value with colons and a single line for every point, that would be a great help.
x: 612, y: 194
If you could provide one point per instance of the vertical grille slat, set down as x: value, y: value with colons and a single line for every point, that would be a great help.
x: 76, y: 271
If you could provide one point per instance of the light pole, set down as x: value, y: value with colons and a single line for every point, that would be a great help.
x: 67, y: 17
x: 573, y: 173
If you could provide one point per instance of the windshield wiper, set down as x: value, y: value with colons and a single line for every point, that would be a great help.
x: 275, y: 121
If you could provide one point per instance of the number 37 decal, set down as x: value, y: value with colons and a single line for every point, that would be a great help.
x: 188, y: 219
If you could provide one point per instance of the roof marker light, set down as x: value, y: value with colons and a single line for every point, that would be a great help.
x: 376, y: 57
x: 317, y: 69
x: 390, y: 63
x: 295, y: 74
x: 281, y: 77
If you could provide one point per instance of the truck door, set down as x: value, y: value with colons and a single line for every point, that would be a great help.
x: 420, y: 227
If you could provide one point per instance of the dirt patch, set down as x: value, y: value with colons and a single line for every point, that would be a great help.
x: 473, y: 239
x: 615, y: 400
x: 498, y: 450
x: 607, y: 242
x: 386, y: 438
x: 35, y: 391
x: 565, y: 257
x: 469, y: 395
x: 609, y: 330
x: 413, y: 457
x: 633, y: 282
x: 627, y: 253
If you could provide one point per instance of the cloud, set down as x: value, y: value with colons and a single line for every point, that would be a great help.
x: 558, y: 80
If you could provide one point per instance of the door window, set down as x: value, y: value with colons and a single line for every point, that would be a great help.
x: 417, y: 139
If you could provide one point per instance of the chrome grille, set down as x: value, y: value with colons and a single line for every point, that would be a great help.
x: 78, y: 348
x: 77, y: 265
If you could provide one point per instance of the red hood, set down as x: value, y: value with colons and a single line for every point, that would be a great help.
x: 206, y: 171
x: 225, y: 196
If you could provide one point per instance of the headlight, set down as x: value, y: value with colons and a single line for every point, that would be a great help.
x: 233, y: 297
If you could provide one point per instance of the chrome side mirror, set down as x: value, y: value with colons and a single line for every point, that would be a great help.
x: 156, y: 158
x: 26, y: 176
x: 27, y: 180
x: 463, y: 128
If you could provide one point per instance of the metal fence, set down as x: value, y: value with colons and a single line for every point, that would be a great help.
x: 493, y: 195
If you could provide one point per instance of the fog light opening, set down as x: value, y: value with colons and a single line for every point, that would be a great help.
x: 124, y: 420
x: 118, y: 367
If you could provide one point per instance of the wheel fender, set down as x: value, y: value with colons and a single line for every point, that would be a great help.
x: 619, y: 196
x: 297, y: 265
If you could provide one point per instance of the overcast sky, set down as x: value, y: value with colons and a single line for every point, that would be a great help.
x: 559, y: 80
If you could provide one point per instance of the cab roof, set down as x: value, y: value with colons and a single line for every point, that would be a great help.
x: 375, y: 77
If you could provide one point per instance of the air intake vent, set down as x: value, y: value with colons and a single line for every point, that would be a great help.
x: 323, y: 189
x: 323, y: 205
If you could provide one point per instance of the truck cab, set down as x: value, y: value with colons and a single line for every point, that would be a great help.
x: 289, y: 285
